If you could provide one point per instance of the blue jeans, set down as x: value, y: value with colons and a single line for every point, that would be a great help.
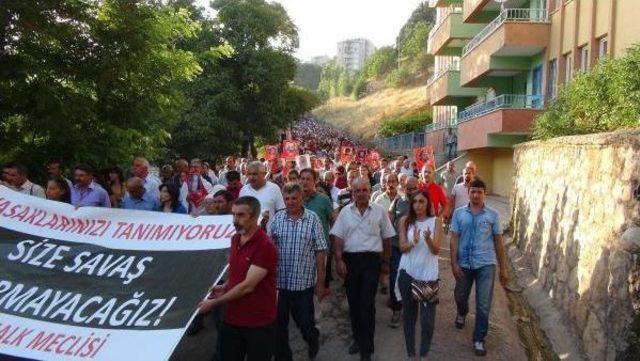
x: 410, y: 314
x: 484, y: 278
x: 393, y: 273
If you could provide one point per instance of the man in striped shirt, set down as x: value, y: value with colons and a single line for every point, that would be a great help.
x: 302, y: 247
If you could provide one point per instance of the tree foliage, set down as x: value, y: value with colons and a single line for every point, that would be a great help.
x: 422, y: 13
x: 603, y: 99
x: 399, y: 77
x: 380, y: 63
x: 405, y: 124
x: 413, y: 49
x: 101, y: 81
x: 335, y: 81
x: 88, y: 80
x: 308, y: 76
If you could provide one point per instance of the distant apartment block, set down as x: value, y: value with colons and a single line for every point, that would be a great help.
x: 498, y: 63
x: 320, y: 60
x: 353, y: 53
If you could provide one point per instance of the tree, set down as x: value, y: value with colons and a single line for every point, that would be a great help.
x: 308, y: 76
x: 413, y: 49
x: 422, y: 13
x: 263, y: 38
x: 90, y: 81
x: 603, y: 99
x: 383, y: 61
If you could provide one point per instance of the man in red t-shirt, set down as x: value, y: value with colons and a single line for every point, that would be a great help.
x: 436, y: 194
x: 250, y: 292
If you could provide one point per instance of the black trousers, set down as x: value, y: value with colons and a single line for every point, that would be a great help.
x: 298, y: 304
x: 361, y: 283
x: 254, y: 343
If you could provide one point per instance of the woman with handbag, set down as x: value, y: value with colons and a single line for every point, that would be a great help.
x: 417, y: 285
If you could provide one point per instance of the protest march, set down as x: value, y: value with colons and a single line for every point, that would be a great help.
x: 92, y: 264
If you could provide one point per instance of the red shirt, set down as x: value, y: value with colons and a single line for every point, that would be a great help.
x: 235, y: 192
x: 259, y: 308
x: 436, y: 196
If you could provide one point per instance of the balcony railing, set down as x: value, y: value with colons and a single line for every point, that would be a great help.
x: 434, y: 3
x: 505, y: 101
x: 447, y: 123
x: 507, y: 15
x: 454, y: 65
x: 447, y: 12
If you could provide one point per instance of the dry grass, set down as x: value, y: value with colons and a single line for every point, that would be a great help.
x: 364, y: 117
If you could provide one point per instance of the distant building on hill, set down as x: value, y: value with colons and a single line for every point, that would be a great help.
x: 353, y: 53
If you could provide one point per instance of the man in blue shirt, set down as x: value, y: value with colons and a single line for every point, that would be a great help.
x: 476, y: 247
x: 302, y: 247
x: 139, y: 198
x: 85, y: 192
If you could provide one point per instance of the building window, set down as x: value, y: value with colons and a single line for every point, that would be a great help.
x: 603, y: 45
x: 584, y: 58
x: 567, y: 67
x: 552, y: 75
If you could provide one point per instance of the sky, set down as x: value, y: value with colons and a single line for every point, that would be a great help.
x: 323, y: 23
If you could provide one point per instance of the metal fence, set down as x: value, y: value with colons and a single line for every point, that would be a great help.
x: 402, y: 143
x: 505, y: 101
x: 507, y: 15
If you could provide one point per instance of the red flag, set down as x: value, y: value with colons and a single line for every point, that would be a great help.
x: 373, y: 158
x: 424, y: 155
x: 361, y: 154
x: 290, y: 149
x: 346, y: 154
x: 271, y: 152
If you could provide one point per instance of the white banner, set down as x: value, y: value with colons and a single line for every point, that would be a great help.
x: 101, y: 284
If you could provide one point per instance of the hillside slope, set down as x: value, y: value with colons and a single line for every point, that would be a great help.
x: 364, y: 117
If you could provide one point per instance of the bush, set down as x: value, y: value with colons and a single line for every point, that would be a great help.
x: 399, y: 77
x: 405, y: 124
x: 604, y: 99
x: 380, y: 63
x: 359, y: 88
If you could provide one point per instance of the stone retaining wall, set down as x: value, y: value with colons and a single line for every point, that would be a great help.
x: 576, y: 218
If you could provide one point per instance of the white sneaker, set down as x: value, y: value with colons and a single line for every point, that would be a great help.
x: 478, y: 348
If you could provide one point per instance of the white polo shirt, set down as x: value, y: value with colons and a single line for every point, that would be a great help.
x: 31, y: 189
x: 270, y: 198
x: 460, y: 194
x: 363, y: 232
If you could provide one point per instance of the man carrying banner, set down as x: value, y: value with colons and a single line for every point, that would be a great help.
x: 249, y: 328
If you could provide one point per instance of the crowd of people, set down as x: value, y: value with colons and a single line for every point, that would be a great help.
x: 319, y: 138
x: 378, y: 228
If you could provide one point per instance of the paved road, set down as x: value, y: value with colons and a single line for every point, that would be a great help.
x: 448, y: 342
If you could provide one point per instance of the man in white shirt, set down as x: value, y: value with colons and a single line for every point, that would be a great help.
x: 362, y: 232
x: 267, y: 193
x: 406, y: 168
x: 140, y: 169
x: 230, y: 165
x: 459, y: 196
x: 385, y: 198
x: 329, y: 179
x: 16, y: 175
x: 381, y: 187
